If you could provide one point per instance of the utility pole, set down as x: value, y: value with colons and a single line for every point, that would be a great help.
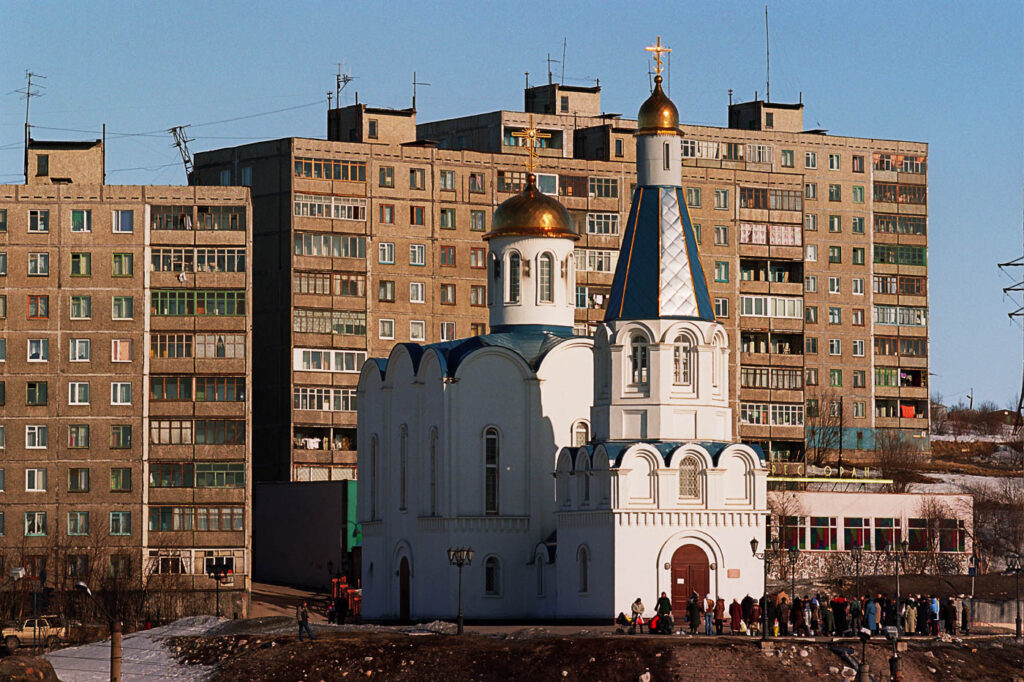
x: 181, y: 141
x: 29, y: 93
x: 414, y: 84
x: 840, y: 436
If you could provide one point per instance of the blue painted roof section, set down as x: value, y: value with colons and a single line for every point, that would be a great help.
x: 382, y: 365
x: 616, y: 449
x: 636, y: 287
x: 530, y: 342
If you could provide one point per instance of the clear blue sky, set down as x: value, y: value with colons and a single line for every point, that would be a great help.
x: 950, y: 74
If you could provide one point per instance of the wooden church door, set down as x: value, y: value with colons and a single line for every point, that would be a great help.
x: 690, y: 572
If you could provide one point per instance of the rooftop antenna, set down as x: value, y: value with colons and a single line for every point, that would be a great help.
x: 730, y: 97
x: 562, y: 79
x: 767, y: 60
x: 527, y: 79
x: 330, y: 96
x: 550, y: 60
x: 29, y: 93
x: 414, y: 84
x: 343, y: 79
x: 181, y: 141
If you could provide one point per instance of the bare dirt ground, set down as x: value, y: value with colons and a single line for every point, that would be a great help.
x: 536, y: 654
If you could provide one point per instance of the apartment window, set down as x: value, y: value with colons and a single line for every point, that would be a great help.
x: 121, y: 436
x: 3, y: 262
x: 693, y: 197
x: 811, y: 222
x: 386, y: 253
x: 417, y: 178
x: 835, y: 223
x: 857, y: 164
x: 38, y: 264
x: 447, y: 179
x: 120, y: 523
x: 835, y: 347
x: 477, y: 221
x: 858, y: 348
x: 721, y: 307
x: 604, y: 187
x: 78, y: 480
x: 858, y: 194
x: 35, y: 393
x: 858, y: 409
x: 753, y: 197
x: 835, y: 254
x: 120, y: 393
x: 448, y: 294
x: 810, y: 345
x: 476, y: 329
x: 120, y: 479
x: 858, y: 255
x: 810, y: 160
x: 834, y: 162
x: 810, y: 190
x: 38, y: 307
x: 447, y: 219
x: 386, y: 176
x: 417, y: 330
x: 416, y: 292
x: 733, y: 151
x: 811, y: 314
x: 417, y: 216
x: 857, y: 317
x: 787, y: 158
x: 477, y: 183
x: 721, y: 198
x: 721, y: 235
x: 696, y: 232
x: 603, y: 223
x: 478, y: 295
x: 447, y: 331
x: 387, y: 214
x: 220, y: 389
x: 78, y: 393
x: 835, y: 192
x: 386, y: 291
x: 38, y: 221
x: 38, y: 350
x: 811, y: 378
x: 833, y: 285
x: 81, y: 221
x: 81, y: 264
x: 122, y: 308
x: 122, y: 265
x: 35, y: 480
x: 123, y: 221
x: 3, y: 220
x: 81, y: 308
x: 857, y: 225
x: 618, y: 147
x: 448, y: 256
x: 35, y: 524
x: 386, y: 329
x: 3, y: 350
x: 859, y: 378
x: 371, y: 129
x: 721, y: 271
x: 835, y: 378
x: 417, y: 254
x: 811, y: 283
x: 835, y: 315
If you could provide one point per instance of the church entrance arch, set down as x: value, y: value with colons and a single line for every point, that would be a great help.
x: 403, y: 590
x: 690, y: 572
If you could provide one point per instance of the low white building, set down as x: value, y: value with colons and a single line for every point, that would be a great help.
x: 583, y: 473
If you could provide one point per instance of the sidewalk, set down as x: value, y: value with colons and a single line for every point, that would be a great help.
x: 279, y: 600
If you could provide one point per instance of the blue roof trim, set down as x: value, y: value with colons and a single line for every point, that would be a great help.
x: 514, y: 328
x: 530, y: 342
x: 616, y: 449
x: 636, y: 286
x: 382, y: 365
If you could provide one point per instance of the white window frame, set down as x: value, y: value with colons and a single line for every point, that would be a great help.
x: 113, y: 308
x: 44, y: 350
x: 834, y: 285
x: 811, y: 254
x: 417, y: 292
x: 77, y: 390
x: 417, y: 254
x: 32, y: 480
x: 386, y: 253
x: 810, y: 159
x: 74, y: 350
x: 835, y: 346
x: 116, y: 387
x: 116, y: 223
x: 858, y: 348
x: 37, y: 258
x: 447, y: 331
x: 116, y: 343
x: 417, y: 330
x: 386, y: 328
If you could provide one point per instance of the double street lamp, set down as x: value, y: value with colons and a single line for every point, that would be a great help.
x: 115, y: 632
x: 898, y: 553
x: 459, y: 557
x: 770, y: 550
x: 1015, y: 565
x: 794, y: 555
x: 857, y: 555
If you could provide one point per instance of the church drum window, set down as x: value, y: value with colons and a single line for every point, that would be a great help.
x: 492, y: 576
x: 689, y: 478
x: 683, y: 354
x: 580, y: 434
x: 492, y: 453
x: 514, y: 274
x: 638, y: 355
x: 545, y: 267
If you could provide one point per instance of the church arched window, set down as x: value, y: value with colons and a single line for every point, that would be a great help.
x: 403, y: 464
x: 373, y: 477
x: 580, y: 433
x: 433, y: 472
x: 583, y: 564
x: 638, y: 356
x: 683, y: 356
x: 666, y: 154
x: 545, y: 272
x: 515, y: 271
x: 689, y: 478
x: 492, y: 576
x: 492, y: 454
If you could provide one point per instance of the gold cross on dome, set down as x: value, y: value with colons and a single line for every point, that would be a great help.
x: 657, y: 49
x: 530, y: 137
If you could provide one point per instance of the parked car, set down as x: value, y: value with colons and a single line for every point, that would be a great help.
x: 50, y: 630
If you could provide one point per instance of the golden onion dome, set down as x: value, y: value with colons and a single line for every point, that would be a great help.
x: 531, y: 213
x: 658, y: 115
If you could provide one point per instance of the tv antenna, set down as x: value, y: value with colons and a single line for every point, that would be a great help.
x: 550, y: 62
x: 767, y: 60
x: 343, y: 79
x: 29, y: 93
x: 181, y: 141
x: 414, y: 84
x: 562, y: 80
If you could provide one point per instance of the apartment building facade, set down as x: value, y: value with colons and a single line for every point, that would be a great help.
x: 124, y: 396
x: 815, y: 245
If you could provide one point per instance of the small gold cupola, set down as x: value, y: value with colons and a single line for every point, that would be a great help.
x: 658, y: 115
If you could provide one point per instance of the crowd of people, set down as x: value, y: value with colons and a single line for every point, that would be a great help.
x: 807, y: 616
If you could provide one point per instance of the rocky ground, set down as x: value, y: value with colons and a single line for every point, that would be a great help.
x: 414, y: 654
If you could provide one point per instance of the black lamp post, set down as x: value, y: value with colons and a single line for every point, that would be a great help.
x: 857, y: 555
x: 897, y: 554
x: 766, y: 557
x: 115, y: 632
x: 794, y: 555
x: 1015, y: 565
x: 459, y: 557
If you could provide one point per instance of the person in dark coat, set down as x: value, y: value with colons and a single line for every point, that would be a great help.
x: 923, y: 615
x: 784, y: 609
x: 693, y: 612
x: 799, y: 618
x: 839, y: 613
x: 302, y: 616
x: 965, y: 616
x: 719, y: 615
x: 755, y: 618
x: 664, y: 612
x: 949, y: 613
x: 735, y: 616
x: 745, y: 604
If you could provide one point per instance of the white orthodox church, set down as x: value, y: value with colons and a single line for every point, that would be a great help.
x: 583, y: 472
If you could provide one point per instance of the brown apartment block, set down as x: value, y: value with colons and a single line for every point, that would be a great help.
x: 124, y: 383
x: 815, y: 245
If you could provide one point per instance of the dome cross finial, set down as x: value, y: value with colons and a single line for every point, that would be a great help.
x: 530, y: 138
x: 657, y: 49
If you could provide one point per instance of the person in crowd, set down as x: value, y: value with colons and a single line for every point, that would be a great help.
x: 856, y: 613
x: 871, y: 616
x: 950, y: 616
x: 965, y: 614
x: 798, y: 618
x: 719, y: 615
x: 638, y: 616
x: 828, y: 618
x: 814, y: 615
x: 709, y: 614
x: 693, y: 612
x: 302, y: 616
x: 664, y: 611
x: 933, y: 615
x: 746, y: 604
x: 923, y: 615
x: 784, y: 610
x: 755, y: 618
x: 910, y: 616
x: 735, y: 616
x: 839, y: 612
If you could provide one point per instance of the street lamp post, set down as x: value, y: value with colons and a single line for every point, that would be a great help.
x: 115, y: 633
x: 459, y: 557
x: 898, y: 553
x: 766, y: 556
x: 1015, y: 564
x: 972, y: 564
x: 794, y: 555
x: 857, y: 554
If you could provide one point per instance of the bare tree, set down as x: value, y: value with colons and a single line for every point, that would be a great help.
x: 895, y: 457
x: 786, y: 511
x: 998, y: 518
x: 822, y: 421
